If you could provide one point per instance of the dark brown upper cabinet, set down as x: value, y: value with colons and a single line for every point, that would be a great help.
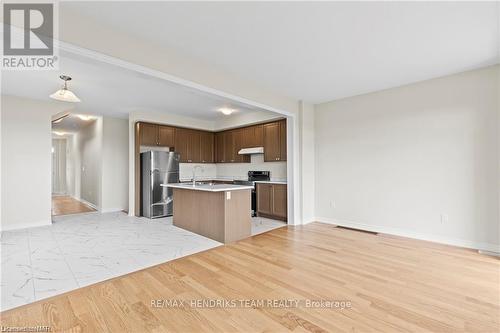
x: 166, y: 136
x: 220, y: 149
x: 148, y: 134
x: 275, y: 141
x: 156, y: 135
x: 182, y: 144
x: 252, y: 136
x: 188, y: 145
x: 238, y: 138
x: 207, y: 150
x: 229, y: 147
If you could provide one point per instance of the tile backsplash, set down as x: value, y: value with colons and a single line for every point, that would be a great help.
x: 206, y: 171
x: 234, y: 170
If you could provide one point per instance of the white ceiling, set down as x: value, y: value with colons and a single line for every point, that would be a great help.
x: 71, y: 124
x: 114, y: 91
x: 316, y: 51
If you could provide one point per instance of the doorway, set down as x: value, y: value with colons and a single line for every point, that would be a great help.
x: 66, y: 166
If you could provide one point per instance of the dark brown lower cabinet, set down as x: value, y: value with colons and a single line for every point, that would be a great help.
x: 272, y: 201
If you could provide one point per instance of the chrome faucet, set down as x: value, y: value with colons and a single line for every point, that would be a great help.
x: 194, y: 173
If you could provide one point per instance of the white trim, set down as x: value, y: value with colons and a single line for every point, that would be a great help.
x: 111, y: 210
x: 489, y: 253
x: 412, y: 234
x: 26, y: 225
x: 91, y: 205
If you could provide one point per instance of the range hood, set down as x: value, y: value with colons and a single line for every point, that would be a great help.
x: 249, y: 151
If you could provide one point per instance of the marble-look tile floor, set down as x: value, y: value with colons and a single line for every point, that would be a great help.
x: 261, y: 224
x: 79, y: 250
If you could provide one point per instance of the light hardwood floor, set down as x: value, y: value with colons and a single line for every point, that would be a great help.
x: 65, y: 205
x: 394, y: 285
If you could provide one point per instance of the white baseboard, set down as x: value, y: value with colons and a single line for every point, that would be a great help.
x: 25, y: 225
x: 90, y: 204
x: 111, y: 210
x: 494, y: 248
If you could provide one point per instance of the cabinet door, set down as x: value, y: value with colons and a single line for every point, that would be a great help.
x: 220, y: 147
x: 258, y: 135
x: 279, y: 200
x: 166, y: 136
x: 181, y: 143
x: 252, y: 136
x: 272, y: 142
x: 238, y: 139
x: 194, y: 146
x: 283, y: 140
x: 149, y: 134
x: 207, y: 147
x: 246, y: 137
x: 229, y: 147
x: 264, y: 193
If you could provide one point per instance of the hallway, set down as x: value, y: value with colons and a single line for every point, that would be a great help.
x: 65, y: 205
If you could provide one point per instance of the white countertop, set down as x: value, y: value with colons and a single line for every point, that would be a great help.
x: 282, y: 182
x: 209, y: 188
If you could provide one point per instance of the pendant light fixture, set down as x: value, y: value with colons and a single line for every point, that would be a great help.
x: 64, y: 94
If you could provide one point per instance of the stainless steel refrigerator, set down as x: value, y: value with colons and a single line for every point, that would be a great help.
x: 158, y: 167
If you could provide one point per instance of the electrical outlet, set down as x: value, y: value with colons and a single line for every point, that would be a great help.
x: 333, y: 205
x: 444, y: 218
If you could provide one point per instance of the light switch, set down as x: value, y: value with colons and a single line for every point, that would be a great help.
x: 228, y: 195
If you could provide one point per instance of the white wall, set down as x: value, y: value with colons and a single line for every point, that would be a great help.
x: 395, y: 161
x: 114, y: 165
x: 89, y: 141
x: 307, y: 162
x: 98, y: 160
x: 26, y: 161
x: 59, y: 185
x: 72, y: 167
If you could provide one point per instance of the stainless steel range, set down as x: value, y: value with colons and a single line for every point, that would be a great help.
x: 254, y: 176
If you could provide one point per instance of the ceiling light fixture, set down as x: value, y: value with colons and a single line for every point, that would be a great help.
x: 64, y: 94
x: 84, y: 117
x: 59, y: 133
x: 226, y: 111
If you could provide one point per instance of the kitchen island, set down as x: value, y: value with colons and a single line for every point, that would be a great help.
x: 218, y: 211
